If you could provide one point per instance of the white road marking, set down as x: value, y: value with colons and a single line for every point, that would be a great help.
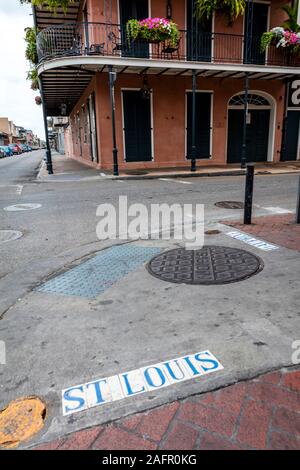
x: 174, y: 180
x: 9, y: 236
x: 103, y: 174
x: 184, y: 182
x: 22, y: 207
x: 19, y: 189
x: 277, y: 210
x: 262, y: 245
x: 135, y: 382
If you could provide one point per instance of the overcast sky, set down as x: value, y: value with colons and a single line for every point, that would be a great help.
x: 16, y: 98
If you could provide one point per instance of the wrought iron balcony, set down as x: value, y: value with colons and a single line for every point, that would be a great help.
x: 110, y: 40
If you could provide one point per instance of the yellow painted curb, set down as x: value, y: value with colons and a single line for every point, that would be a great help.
x: 22, y: 419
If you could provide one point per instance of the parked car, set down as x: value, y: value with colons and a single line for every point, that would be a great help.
x: 25, y: 148
x: 16, y: 149
x: 2, y: 153
x: 7, y: 150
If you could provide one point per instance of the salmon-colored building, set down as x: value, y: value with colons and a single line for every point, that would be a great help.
x: 169, y: 104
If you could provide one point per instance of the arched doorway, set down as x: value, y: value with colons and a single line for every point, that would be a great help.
x: 260, y: 128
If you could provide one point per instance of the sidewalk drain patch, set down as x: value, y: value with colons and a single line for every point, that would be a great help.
x: 22, y: 207
x: 212, y: 232
x: 93, y: 277
x: 207, y: 266
x: 22, y: 419
x: 9, y: 235
x: 230, y: 204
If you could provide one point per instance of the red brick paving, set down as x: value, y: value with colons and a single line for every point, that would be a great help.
x: 263, y: 413
x: 279, y: 229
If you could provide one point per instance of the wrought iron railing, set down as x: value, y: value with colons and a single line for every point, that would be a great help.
x: 101, y: 39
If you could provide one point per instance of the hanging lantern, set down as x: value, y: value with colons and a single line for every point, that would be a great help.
x: 63, y: 109
x: 145, y: 90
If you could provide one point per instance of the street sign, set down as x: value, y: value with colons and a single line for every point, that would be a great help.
x: 135, y: 382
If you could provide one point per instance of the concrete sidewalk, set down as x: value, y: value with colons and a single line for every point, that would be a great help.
x: 138, y: 321
x: 263, y: 413
x: 67, y: 169
x: 258, y: 414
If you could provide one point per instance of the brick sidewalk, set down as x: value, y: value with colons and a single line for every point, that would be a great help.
x: 263, y: 413
x: 279, y: 229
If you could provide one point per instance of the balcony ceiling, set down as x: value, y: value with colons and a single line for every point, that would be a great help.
x: 64, y: 86
x: 45, y: 18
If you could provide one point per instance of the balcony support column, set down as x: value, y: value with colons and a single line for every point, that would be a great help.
x: 285, y: 122
x: 244, y: 144
x: 112, y: 80
x: 194, y: 149
x: 48, y: 148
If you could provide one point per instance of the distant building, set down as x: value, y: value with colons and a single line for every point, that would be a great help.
x: 7, y: 127
x: 4, y: 140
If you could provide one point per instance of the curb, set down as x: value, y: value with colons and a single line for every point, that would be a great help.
x: 177, y: 175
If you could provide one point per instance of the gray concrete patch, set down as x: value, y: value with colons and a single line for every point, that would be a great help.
x: 63, y: 341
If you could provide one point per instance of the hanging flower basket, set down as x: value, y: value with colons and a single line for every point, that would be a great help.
x: 38, y: 100
x: 152, y: 30
x: 232, y: 9
x: 281, y: 38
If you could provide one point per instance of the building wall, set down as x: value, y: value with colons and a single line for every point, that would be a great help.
x: 169, y: 100
x: 97, y: 14
x: 169, y: 118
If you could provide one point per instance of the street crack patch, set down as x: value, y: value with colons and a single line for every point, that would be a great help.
x: 20, y: 420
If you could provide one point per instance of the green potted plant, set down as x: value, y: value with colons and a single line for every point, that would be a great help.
x: 152, y: 30
x: 52, y: 5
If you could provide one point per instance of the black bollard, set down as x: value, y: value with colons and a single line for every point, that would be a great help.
x: 298, y: 205
x: 249, y: 194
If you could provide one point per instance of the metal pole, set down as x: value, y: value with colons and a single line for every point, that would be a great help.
x: 48, y: 148
x: 249, y: 194
x: 284, y: 123
x: 194, y: 150
x: 112, y: 79
x: 298, y: 205
x: 86, y: 32
x: 244, y: 143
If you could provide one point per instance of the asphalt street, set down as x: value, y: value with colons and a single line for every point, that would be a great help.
x: 67, y: 217
x: 55, y: 341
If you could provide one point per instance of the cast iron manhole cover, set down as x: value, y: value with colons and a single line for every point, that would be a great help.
x: 230, y: 204
x: 209, y: 265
